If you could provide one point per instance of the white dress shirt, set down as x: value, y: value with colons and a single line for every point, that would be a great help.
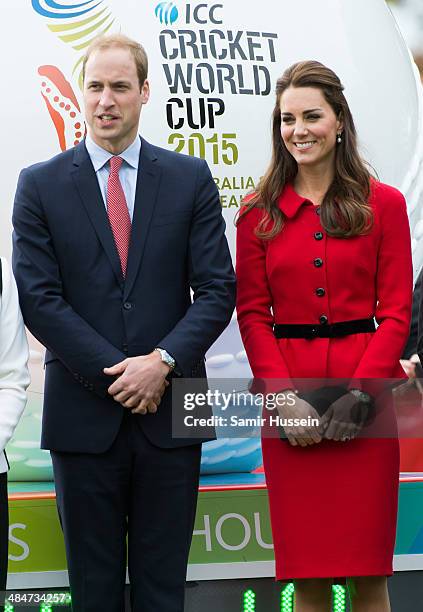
x: 127, y: 173
x: 14, y: 374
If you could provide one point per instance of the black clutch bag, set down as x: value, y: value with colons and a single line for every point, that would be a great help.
x: 322, y: 398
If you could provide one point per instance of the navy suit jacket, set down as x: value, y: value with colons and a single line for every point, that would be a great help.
x: 76, y: 302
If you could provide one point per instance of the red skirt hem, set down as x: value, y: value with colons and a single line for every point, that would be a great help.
x: 337, y: 577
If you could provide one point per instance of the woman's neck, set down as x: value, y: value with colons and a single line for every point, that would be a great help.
x: 313, y: 183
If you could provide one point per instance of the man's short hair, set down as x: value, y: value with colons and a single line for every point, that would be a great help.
x: 124, y: 42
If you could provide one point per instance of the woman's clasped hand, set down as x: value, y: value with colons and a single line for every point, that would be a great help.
x: 300, y: 410
x: 342, y: 421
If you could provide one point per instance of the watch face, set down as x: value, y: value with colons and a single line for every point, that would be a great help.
x: 170, y: 361
x: 167, y: 358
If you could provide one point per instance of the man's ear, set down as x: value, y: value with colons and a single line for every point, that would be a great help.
x: 145, y: 92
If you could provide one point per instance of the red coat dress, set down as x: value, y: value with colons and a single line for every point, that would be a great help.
x: 333, y: 505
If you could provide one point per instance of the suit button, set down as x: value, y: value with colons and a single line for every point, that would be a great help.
x: 318, y: 236
x: 317, y: 209
x: 318, y: 262
x: 127, y: 305
x: 320, y: 292
x: 323, y: 319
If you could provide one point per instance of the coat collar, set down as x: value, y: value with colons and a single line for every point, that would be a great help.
x: 87, y: 185
x: 80, y: 153
x: 148, y: 180
x: 290, y: 202
x: 100, y: 157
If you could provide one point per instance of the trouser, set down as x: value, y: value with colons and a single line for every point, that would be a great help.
x: 134, y: 490
x: 4, y: 532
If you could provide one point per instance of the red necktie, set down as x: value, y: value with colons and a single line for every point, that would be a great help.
x: 117, y: 211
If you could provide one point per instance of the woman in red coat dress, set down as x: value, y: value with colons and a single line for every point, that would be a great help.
x: 320, y: 243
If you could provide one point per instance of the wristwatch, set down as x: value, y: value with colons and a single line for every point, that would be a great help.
x: 362, y: 396
x: 166, y: 358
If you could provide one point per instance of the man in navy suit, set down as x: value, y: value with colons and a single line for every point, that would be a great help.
x: 109, y: 240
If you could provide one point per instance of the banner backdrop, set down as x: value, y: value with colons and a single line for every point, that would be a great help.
x: 213, y: 67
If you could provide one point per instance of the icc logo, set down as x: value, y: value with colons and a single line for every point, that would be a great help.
x: 167, y: 12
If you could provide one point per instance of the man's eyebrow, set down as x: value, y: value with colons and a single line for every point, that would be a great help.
x: 120, y: 82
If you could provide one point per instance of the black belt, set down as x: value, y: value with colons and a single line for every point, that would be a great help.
x: 334, y: 330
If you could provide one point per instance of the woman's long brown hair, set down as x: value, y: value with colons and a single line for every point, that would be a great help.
x: 345, y: 210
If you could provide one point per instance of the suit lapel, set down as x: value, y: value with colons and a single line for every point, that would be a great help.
x: 87, y: 184
x: 148, y: 181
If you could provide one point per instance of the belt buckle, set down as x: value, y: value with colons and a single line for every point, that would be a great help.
x: 313, y: 333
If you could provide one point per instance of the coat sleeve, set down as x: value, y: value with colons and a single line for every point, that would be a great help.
x: 14, y: 375
x: 420, y: 319
x: 46, y: 312
x: 394, y: 286
x: 211, y: 278
x: 411, y: 346
x: 254, y: 303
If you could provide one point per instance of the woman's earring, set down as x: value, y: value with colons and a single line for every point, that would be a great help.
x: 339, y: 138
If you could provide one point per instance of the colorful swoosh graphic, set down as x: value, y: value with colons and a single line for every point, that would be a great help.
x: 42, y: 7
x: 79, y: 33
x: 70, y: 28
x: 76, y: 24
x: 62, y: 106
